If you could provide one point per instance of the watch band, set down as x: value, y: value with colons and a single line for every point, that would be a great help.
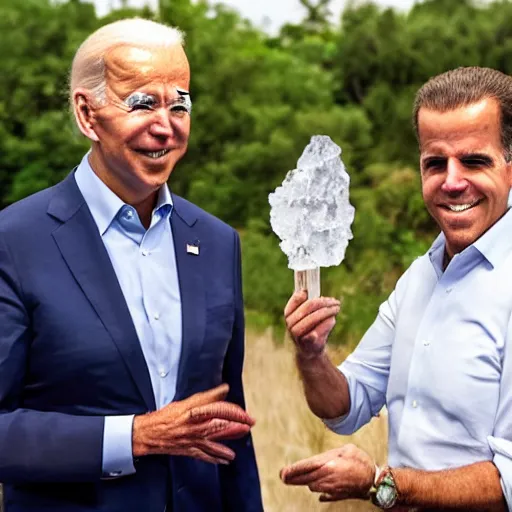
x: 384, y: 493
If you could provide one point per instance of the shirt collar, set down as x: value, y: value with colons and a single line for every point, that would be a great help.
x: 494, y: 245
x: 105, y: 204
x: 436, y: 254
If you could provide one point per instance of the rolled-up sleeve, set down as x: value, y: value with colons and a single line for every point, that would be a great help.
x: 501, y: 440
x: 502, y: 458
x: 363, y: 401
x: 367, y: 371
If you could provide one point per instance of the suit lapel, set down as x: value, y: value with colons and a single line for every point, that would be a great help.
x: 83, y: 250
x: 191, y: 289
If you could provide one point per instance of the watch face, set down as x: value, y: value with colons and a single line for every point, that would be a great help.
x: 386, y: 495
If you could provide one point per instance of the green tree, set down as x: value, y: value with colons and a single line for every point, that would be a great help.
x: 257, y: 101
x: 38, y: 39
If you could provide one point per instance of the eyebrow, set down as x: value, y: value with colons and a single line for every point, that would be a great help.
x: 477, y: 156
x: 484, y: 158
x: 139, y: 95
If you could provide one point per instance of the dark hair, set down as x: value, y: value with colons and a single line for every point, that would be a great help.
x: 464, y: 86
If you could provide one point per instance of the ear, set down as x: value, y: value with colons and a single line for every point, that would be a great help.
x: 84, y: 110
x: 508, y: 164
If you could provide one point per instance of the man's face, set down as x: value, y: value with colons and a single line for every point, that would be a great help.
x: 465, y: 177
x: 143, y: 129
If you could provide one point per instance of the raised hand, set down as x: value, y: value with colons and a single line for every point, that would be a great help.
x: 190, y: 427
x: 310, y: 322
x: 343, y: 473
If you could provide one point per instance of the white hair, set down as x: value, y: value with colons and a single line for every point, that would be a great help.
x: 88, y: 68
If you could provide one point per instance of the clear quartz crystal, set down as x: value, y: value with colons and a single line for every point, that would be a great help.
x: 310, y: 212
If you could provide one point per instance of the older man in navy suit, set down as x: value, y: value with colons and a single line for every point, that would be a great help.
x: 121, y: 314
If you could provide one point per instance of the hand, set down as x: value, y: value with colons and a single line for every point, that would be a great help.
x: 339, y: 474
x: 310, y: 322
x: 190, y: 427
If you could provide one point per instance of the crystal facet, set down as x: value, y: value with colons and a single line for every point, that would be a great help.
x: 310, y: 212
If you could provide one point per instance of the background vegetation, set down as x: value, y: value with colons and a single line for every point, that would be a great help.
x: 257, y: 100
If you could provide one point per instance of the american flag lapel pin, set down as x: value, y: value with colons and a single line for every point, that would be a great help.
x: 193, y: 248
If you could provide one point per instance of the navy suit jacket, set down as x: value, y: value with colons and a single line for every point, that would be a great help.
x: 69, y: 355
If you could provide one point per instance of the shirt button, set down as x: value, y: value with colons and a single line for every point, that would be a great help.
x: 163, y: 373
x: 156, y: 316
x: 128, y: 214
x: 414, y: 404
x: 426, y: 343
x: 145, y: 253
x: 448, y: 290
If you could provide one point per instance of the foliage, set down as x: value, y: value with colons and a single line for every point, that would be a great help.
x: 257, y: 101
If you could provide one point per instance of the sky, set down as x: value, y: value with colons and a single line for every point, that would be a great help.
x: 267, y: 14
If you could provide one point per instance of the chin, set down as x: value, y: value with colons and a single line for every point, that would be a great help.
x: 458, y: 244
x: 153, y: 183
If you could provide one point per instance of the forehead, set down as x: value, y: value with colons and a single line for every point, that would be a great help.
x: 129, y: 68
x: 475, y: 124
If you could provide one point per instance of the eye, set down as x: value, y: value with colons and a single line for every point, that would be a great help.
x: 142, y: 106
x: 181, y: 105
x: 140, y: 101
x: 475, y: 162
x: 179, y: 109
x: 434, y: 163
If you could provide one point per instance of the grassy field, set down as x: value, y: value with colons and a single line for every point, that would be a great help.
x: 287, y: 431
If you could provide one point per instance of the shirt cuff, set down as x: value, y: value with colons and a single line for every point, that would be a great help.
x: 117, y: 446
x: 361, y: 402
x: 502, y: 450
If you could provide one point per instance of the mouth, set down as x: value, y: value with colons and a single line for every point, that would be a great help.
x: 462, y: 207
x: 154, y: 154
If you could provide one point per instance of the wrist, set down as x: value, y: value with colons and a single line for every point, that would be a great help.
x: 308, y: 357
x: 139, y: 446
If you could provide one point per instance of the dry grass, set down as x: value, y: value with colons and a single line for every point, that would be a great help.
x: 287, y: 431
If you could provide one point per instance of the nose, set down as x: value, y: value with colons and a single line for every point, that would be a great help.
x: 455, y: 178
x: 162, y: 125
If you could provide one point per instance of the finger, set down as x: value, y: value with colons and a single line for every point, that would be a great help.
x: 295, y: 301
x: 308, y: 478
x: 308, y: 307
x: 327, y: 497
x: 313, y: 321
x: 320, y: 485
x: 212, y: 460
x: 221, y: 410
x: 325, y: 327
x: 215, y: 430
x: 317, y: 338
x: 207, y: 397
x: 223, y: 430
x: 201, y: 454
x: 304, y: 466
x: 217, y: 450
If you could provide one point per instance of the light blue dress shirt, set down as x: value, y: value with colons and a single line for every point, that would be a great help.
x: 439, y: 356
x: 145, y: 266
